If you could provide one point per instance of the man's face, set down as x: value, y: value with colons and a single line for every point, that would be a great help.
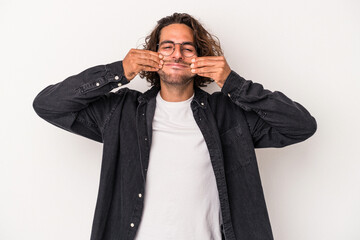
x: 176, y: 68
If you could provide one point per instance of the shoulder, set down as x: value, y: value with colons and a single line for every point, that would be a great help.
x: 124, y: 93
x: 223, y: 106
x: 219, y: 99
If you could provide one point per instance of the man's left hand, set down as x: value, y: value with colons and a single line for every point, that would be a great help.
x: 214, y: 67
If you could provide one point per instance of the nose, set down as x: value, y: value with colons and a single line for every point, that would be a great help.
x: 177, y: 52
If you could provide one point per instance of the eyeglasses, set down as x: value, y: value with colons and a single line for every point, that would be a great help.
x: 167, y: 48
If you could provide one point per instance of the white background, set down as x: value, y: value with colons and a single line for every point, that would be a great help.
x: 307, y: 49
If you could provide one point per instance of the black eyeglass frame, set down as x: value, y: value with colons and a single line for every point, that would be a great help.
x: 181, y: 47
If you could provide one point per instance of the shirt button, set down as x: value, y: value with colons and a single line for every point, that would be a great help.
x: 202, y: 104
x: 229, y: 94
x: 140, y: 195
x: 132, y: 224
x: 145, y: 139
x: 116, y: 77
x: 119, y: 84
x: 97, y: 84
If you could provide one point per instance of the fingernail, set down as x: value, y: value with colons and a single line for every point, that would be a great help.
x: 192, y: 65
x: 193, y: 70
x: 160, y: 56
x: 161, y: 62
x: 193, y: 60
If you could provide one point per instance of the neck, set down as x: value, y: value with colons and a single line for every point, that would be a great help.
x: 176, y: 93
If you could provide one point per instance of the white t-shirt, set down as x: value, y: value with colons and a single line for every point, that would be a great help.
x: 181, y: 197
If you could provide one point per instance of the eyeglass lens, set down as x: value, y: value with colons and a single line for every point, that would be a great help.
x: 167, y: 48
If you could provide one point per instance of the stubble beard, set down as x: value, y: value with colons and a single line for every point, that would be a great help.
x: 176, y: 79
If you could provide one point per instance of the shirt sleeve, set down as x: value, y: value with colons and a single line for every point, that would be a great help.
x: 274, y: 119
x: 82, y: 103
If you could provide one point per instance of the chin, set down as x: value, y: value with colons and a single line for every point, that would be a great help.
x: 176, y: 77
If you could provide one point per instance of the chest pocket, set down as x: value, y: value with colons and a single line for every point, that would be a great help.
x: 236, y: 148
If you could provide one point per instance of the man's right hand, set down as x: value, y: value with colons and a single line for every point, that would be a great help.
x: 141, y: 60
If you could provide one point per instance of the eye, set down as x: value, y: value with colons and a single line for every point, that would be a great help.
x: 166, y: 46
x: 188, y: 48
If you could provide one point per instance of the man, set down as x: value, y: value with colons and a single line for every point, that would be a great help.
x: 178, y: 163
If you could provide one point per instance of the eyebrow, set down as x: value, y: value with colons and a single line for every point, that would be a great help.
x: 169, y: 41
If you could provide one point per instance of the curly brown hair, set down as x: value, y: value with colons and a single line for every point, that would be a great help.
x: 206, y: 44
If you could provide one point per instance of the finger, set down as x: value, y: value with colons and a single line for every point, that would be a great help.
x: 217, y: 74
x: 145, y: 68
x: 136, y: 56
x: 148, y: 69
x: 205, y: 70
x: 148, y: 62
x: 148, y: 57
x: 148, y: 54
x: 208, y: 58
x: 146, y: 51
x: 215, y: 62
x: 203, y: 64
